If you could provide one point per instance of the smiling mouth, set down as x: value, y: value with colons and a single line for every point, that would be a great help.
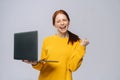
x: 63, y: 27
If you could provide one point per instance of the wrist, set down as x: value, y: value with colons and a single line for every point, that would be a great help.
x: 34, y: 64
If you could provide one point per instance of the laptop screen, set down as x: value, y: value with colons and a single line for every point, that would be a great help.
x: 26, y: 46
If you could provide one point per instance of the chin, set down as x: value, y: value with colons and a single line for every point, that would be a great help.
x: 63, y: 32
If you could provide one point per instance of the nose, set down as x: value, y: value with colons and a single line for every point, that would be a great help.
x: 62, y: 23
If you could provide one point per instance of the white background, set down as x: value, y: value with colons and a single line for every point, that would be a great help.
x: 97, y: 20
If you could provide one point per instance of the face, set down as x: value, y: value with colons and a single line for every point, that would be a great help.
x: 61, y: 23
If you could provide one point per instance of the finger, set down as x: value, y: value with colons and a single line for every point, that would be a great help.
x: 85, y: 41
x: 26, y: 61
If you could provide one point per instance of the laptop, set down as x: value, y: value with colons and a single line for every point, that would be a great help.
x: 26, y: 46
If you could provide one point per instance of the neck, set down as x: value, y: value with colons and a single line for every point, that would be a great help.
x: 63, y: 35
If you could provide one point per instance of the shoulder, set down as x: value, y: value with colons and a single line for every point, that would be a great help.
x: 48, y: 38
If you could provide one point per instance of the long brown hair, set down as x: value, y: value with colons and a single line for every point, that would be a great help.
x: 72, y: 37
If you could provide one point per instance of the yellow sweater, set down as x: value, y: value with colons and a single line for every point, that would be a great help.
x: 69, y: 58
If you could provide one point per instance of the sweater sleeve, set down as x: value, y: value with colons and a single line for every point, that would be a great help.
x: 38, y: 66
x: 43, y: 56
x: 77, y: 57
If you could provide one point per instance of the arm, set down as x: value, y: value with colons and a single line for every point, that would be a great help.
x: 40, y: 65
x: 78, y: 53
x: 77, y: 58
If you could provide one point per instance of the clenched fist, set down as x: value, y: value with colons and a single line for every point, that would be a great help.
x: 84, y: 42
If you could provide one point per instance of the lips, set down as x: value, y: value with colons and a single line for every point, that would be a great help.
x: 63, y: 27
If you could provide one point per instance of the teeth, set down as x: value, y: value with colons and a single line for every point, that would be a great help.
x: 63, y: 27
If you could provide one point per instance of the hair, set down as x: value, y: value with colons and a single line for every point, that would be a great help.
x: 72, y: 37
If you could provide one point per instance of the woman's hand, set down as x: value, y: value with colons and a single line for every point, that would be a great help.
x: 30, y: 62
x: 84, y: 42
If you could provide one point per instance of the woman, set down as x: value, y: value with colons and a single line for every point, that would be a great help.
x: 66, y: 48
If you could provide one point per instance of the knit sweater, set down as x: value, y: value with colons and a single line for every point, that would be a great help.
x: 69, y: 58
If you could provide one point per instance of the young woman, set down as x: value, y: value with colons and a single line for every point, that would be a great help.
x: 66, y: 48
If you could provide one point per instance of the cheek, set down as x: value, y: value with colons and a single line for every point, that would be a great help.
x: 56, y: 25
x: 67, y: 23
